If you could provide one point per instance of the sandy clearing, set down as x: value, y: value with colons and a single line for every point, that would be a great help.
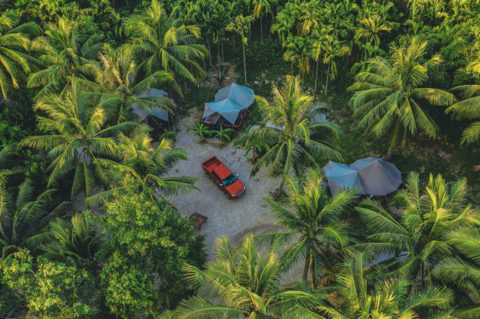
x: 232, y: 218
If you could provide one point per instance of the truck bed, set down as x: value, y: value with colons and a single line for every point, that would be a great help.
x: 210, y: 164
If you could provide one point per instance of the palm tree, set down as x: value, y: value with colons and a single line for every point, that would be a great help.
x: 15, y: 64
x: 61, y: 54
x: 385, y: 95
x: 77, y: 239
x: 312, y: 225
x: 201, y: 130
x: 260, y: 6
x: 244, y: 283
x: 169, y: 135
x: 163, y: 42
x: 469, y: 108
x: 117, y: 77
x: 333, y: 50
x: 22, y: 221
x: 320, y: 41
x: 426, y: 220
x: 81, y: 137
x: 462, y: 269
x: 299, y: 48
x: 241, y: 26
x: 370, y: 293
x: 296, y: 141
x: 371, y: 29
x: 147, y: 165
x: 5, y: 173
x: 223, y: 134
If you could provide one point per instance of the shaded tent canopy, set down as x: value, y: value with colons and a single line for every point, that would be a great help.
x: 155, y: 111
x: 340, y: 177
x: 229, y: 102
x: 377, y: 176
x: 240, y: 95
x: 226, y: 108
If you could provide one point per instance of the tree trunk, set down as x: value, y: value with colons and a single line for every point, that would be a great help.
x: 261, y: 29
x: 280, y: 188
x: 313, y: 273
x: 305, y: 269
x: 209, y: 53
x: 223, y: 58
x: 389, y: 154
x: 422, y: 274
x: 219, y: 61
x: 204, y: 66
x: 316, y: 77
x: 244, y: 64
x: 326, y: 85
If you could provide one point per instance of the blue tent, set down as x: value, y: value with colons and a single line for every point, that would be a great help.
x: 230, y: 101
x: 227, y: 108
x: 378, y: 177
x: 239, y: 94
x: 155, y: 111
x: 340, y: 176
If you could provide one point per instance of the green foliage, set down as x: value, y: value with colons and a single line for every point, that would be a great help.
x: 201, y: 130
x: 297, y: 142
x: 149, y: 242
x: 223, y: 134
x: 244, y: 281
x: 50, y: 290
x: 313, y: 226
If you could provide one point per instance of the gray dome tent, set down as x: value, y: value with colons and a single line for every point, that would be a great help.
x: 377, y: 176
x: 229, y: 102
x: 340, y: 176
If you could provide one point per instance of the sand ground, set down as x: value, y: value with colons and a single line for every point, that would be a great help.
x: 232, y: 218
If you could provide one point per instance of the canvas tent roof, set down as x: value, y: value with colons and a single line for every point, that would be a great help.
x: 240, y: 95
x: 340, y: 176
x: 226, y: 108
x: 155, y: 111
x: 229, y: 101
x: 377, y: 176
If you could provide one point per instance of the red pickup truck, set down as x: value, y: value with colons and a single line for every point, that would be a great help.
x: 228, y: 182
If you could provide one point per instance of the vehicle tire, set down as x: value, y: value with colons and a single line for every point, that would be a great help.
x: 226, y: 195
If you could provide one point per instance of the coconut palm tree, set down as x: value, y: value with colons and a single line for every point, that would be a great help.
x: 462, y: 270
x: 296, y: 141
x: 22, y: 221
x: 146, y: 165
x: 312, y: 224
x: 62, y: 55
x: 370, y: 32
x: 163, y: 42
x: 81, y: 137
x: 15, y: 64
x: 116, y: 76
x: 77, y: 239
x: 241, y: 26
x: 386, y: 95
x: 244, y: 282
x: 370, y: 293
x: 6, y: 173
x: 469, y: 107
x: 428, y: 217
x: 331, y: 51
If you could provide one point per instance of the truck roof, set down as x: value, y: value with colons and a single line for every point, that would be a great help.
x: 222, y: 171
